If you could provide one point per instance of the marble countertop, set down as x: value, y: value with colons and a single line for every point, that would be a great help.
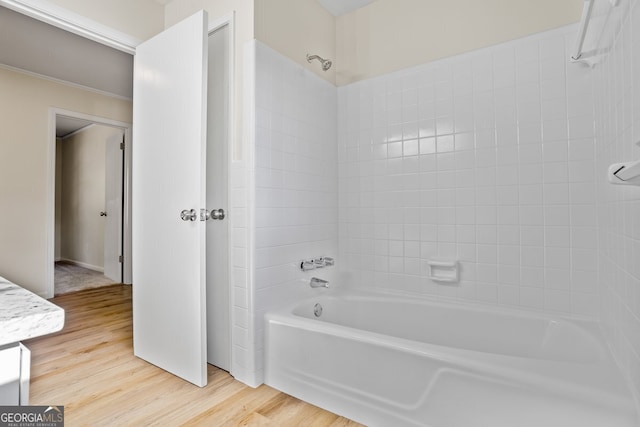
x: 25, y: 315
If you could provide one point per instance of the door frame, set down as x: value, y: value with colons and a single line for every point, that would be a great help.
x: 51, y: 193
x: 228, y: 20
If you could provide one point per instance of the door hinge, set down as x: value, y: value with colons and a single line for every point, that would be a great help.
x: 121, y: 258
x: 122, y: 145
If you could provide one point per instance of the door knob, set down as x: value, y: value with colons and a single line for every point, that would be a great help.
x: 103, y: 214
x: 217, y: 214
x: 206, y: 214
x: 189, y: 215
x: 214, y: 214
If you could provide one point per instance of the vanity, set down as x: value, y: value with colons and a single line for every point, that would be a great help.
x: 23, y: 315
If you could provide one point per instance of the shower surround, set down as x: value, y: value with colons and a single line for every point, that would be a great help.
x: 495, y: 158
x: 617, y: 111
x: 487, y: 158
x: 286, y: 194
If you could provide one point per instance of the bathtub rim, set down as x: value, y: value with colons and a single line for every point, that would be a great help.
x: 607, y: 383
x: 445, y: 301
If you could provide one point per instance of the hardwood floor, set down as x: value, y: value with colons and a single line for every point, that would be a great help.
x: 89, y: 367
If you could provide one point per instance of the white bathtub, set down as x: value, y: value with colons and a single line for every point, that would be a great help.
x: 388, y: 360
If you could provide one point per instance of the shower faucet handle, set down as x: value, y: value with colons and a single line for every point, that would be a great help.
x: 311, y: 264
x: 307, y: 265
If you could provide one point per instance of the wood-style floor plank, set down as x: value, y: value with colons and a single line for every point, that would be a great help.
x: 89, y: 367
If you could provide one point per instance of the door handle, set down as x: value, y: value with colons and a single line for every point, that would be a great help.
x: 214, y: 214
x: 217, y: 214
x: 103, y: 214
x: 189, y: 215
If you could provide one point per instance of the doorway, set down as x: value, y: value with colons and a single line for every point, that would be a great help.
x: 88, y: 236
x: 90, y: 226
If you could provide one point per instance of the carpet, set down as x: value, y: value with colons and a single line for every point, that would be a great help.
x: 71, y: 278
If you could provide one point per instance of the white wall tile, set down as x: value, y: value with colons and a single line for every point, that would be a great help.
x: 616, y: 85
x: 295, y: 200
x: 494, y: 158
x: 496, y: 181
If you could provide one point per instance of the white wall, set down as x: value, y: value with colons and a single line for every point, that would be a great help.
x: 24, y: 167
x: 390, y: 35
x: 297, y: 28
x: 617, y: 96
x: 486, y: 158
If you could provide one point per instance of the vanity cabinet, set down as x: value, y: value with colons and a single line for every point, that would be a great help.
x: 15, y: 370
x: 23, y: 315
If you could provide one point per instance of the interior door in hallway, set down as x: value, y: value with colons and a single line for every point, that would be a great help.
x: 168, y: 179
x: 113, y: 207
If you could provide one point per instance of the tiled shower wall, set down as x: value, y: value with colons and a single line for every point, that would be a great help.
x: 486, y: 158
x: 495, y: 158
x: 617, y: 96
x: 296, y: 175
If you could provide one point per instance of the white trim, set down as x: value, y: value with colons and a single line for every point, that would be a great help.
x: 64, y: 82
x: 51, y: 194
x: 252, y: 376
x: 228, y: 20
x: 89, y: 117
x: 256, y: 377
x: 67, y: 20
x: 216, y: 24
x: 127, y: 264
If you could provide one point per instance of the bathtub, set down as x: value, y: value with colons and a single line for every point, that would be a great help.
x: 392, y: 360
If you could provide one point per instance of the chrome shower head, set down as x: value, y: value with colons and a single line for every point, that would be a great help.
x: 326, y: 64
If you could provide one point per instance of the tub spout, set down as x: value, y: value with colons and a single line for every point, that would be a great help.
x: 318, y: 283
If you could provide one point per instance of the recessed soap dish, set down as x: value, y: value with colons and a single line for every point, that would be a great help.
x: 442, y: 270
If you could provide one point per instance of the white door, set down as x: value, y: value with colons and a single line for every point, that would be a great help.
x: 168, y: 173
x: 113, y: 208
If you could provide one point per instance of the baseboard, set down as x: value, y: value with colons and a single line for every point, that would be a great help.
x: 83, y: 265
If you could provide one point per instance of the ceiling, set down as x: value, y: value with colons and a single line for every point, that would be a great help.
x: 341, y: 7
x: 68, y: 125
x: 32, y: 45
x: 37, y: 47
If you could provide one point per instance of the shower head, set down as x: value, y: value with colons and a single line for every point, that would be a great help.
x: 326, y: 64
